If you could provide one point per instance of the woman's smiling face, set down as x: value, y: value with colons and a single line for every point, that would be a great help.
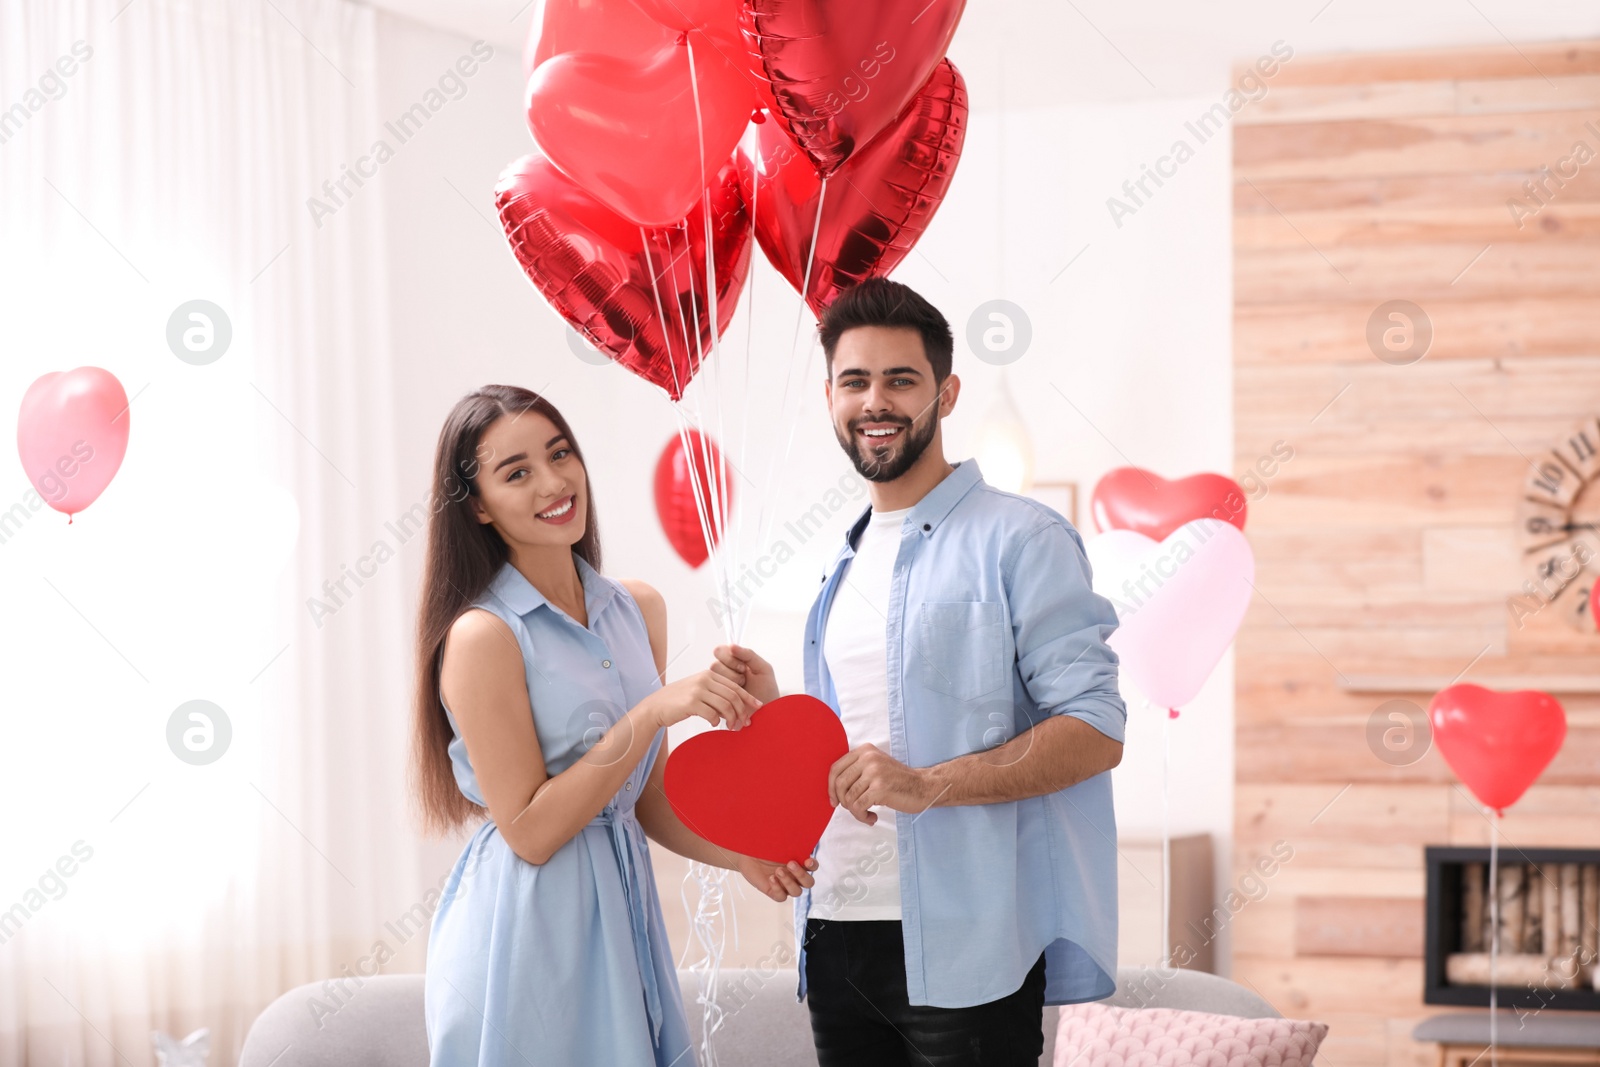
x: 531, y: 485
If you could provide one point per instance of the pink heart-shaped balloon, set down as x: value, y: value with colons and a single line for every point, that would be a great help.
x: 1130, y: 498
x: 72, y: 433
x: 876, y: 206
x: 637, y: 294
x: 761, y: 791
x: 637, y: 133
x: 1497, y: 743
x: 1179, y: 602
x: 838, y: 72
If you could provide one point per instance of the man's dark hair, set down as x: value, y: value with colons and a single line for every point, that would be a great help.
x: 880, y: 302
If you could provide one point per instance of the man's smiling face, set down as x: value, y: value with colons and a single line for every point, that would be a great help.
x: 883, y: 399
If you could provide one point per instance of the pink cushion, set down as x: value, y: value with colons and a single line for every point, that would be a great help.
x: 1095, y: 1035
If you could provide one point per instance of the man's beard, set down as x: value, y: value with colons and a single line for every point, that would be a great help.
x: 913, y: 440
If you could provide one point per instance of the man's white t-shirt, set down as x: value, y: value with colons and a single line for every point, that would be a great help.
x: 858, y: 866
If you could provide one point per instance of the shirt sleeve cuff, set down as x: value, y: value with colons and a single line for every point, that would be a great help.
x: 1108, y: 715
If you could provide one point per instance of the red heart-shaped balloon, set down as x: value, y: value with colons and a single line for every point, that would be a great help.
x: 632, y: 131
x: 761, y: 791
x: 633, y: 292
x: 876, y: 206
x: 592, y: 26
x: 1497, y: 743
x: 838, y: 72
x: 681, y: 489
x: 720, y: 18
x: 1130, y: 498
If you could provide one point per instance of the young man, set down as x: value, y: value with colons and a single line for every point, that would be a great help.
x: 968, y: 876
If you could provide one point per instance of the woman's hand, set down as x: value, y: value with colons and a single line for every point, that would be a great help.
x: 744, y: 668
x: 780, y: 881
x: 707, y: 694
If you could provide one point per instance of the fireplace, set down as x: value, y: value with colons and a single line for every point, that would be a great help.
x: 1549, y: 925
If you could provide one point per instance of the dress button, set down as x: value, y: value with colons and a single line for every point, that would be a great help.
x: 605, y: 663
x: 628, y: 786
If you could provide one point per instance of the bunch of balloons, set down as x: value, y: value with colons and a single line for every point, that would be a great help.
x: 669, y: 131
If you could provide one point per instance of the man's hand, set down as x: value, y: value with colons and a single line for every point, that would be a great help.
x: 744, y: 668
x: 780, y: 881
x: 866, y: 777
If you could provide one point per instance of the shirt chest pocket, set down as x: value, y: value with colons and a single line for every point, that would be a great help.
x: 960, y: 648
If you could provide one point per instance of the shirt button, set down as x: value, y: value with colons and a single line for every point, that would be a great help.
x: 605, y: 663
x: 925, y: 526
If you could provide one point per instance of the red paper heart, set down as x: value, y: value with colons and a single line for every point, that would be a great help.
x: 875, y: 207
x: 1129, y: 498
x: 761, y: 791
x: 632, y: 292
x: 1497, y: 743
x: 839, y: 71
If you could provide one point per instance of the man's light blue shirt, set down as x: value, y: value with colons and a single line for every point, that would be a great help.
x: 992, y: 627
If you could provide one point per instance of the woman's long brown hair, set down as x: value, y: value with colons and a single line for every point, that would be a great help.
x: 463, y: 556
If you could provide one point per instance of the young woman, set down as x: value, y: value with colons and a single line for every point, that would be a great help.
x: 540, y: 704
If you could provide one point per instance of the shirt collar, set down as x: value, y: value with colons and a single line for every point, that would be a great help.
x: 512, y: 586
x: 929, y: 512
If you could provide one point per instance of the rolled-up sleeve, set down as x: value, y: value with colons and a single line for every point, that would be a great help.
x: 1060, y: 625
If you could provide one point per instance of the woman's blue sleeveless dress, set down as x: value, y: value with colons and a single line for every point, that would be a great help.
x: 567, y: 962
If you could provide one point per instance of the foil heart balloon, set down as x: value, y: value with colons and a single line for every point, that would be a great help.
x: 639, y: 295
x: 838, y: 72
x: 761, y: 791
x: 1178, y: 602
x: 72, y: 433
x: 1497, y: 743
x: 641, y: 133
x: 1130, y: 498
x: 873, y: 210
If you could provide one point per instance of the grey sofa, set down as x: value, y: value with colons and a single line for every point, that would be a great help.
x: 380, y: 1023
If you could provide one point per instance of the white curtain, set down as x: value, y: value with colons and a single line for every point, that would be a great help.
x: 153, y: 153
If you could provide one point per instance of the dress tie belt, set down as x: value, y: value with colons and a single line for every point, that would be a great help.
x: 628, y: 841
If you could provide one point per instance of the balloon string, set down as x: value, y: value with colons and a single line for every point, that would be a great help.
x: 724, y: 556
x: 697, y: 454
x: 661, y: 314
x: 707, y: 929
x: 685, y: 440
x: 788, y: 379
x: 1494, y: 937
x: 744, y: 437
x: 1166, y: 842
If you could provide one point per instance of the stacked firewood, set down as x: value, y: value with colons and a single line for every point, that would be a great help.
x: 1549, y: 925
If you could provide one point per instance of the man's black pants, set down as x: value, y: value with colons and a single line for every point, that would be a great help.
x: 860, y: 1015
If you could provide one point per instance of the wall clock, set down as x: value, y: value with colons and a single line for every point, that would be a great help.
x: 1557, y: 520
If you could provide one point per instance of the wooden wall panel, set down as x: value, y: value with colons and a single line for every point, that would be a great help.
x: 1387, y: 546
